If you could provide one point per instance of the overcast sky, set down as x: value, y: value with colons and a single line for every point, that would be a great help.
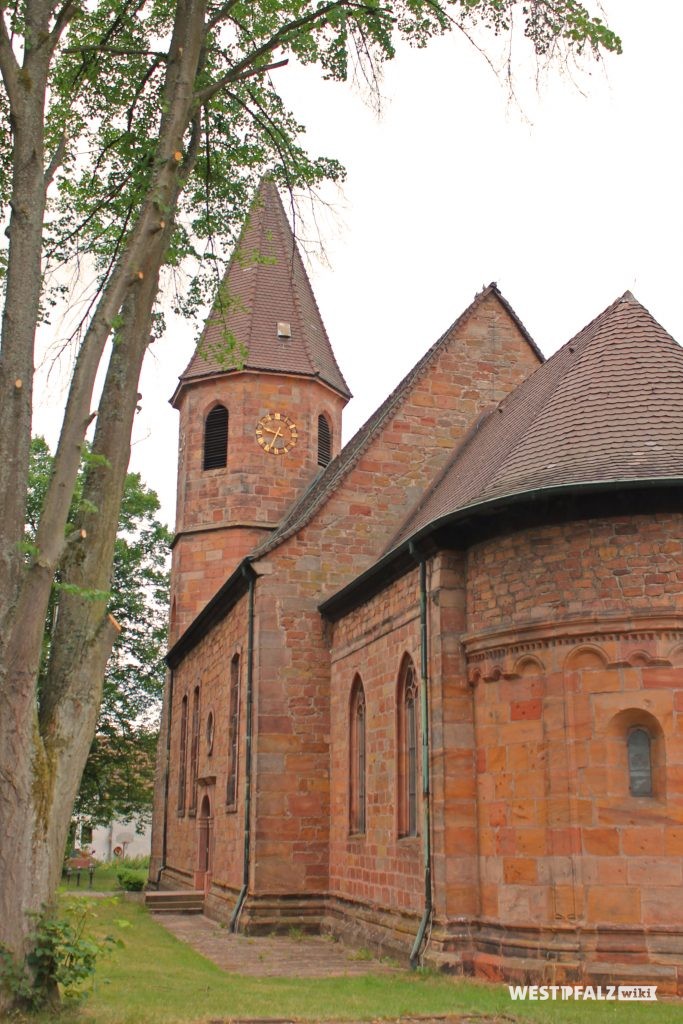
x: 566, y: 199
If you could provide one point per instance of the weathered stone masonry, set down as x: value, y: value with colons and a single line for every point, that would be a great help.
x: 504, y: 533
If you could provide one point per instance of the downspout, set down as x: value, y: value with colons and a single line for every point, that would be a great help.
x: 164, y: 834
x: 424, y: 714
x: 249, y: 574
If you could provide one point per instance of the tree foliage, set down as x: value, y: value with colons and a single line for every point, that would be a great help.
x: 134, y: 133
x: 118, y: 777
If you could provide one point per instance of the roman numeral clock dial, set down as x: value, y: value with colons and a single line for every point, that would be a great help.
x: 276, y: 433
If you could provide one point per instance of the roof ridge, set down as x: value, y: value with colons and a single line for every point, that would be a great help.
x: 288, y: 239
x: 493, y: 288
x: 347, y: 458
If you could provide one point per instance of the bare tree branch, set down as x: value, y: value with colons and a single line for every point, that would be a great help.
x: 9, y: 67
x: 118, y: 51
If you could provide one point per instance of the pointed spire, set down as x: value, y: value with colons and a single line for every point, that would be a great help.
x: 268, y: 305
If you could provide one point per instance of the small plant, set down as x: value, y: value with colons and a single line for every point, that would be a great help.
x: 131, y: 880
x: 296, y: 934
x: 62, y: 956
x: 361, y: 954
x: 140, y: 861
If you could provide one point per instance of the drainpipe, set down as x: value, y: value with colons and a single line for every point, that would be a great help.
x: 167, y: 773
x: 424, y: 714
x: 251, y: 577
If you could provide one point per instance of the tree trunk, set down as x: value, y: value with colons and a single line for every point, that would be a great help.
x: 43, y: 749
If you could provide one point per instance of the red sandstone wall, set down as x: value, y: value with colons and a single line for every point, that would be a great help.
x: 479, y: 363
x: 575, y: 634
x: 209, y: 667
x: 291, y: 744
x: 201, y: 563
x: 223, y: 513
x: 378, y: 867
x: 453, y: 744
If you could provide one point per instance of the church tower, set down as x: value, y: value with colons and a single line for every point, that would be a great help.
x: 251, y: 438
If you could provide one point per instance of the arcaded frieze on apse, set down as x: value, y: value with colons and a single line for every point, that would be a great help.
x: 645, y: 641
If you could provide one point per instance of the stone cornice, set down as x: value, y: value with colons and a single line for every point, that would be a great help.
x: 533, y: 636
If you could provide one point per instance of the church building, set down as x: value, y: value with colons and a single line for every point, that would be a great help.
x: 425, y: 690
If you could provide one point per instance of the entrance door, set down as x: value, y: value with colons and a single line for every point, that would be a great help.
x: 205, y: 827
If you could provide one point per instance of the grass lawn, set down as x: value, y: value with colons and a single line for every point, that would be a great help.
x: 104, y: 879
x: 156, y: 978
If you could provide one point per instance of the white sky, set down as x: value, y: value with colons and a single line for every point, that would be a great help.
x: 566, y: 203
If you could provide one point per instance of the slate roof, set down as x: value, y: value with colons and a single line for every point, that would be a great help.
x: 606, y: 408
x: 327, y: 482
x: 266, y: 283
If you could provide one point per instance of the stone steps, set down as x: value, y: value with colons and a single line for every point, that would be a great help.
x: 183, y: 901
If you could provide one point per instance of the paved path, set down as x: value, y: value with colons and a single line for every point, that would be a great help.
x: 287, y: 957
x: 271, y: 956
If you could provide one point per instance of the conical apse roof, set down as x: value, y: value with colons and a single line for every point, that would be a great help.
x: 606, y: 409
x: 266, y: 288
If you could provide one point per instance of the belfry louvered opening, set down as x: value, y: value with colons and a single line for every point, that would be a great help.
x: 324, y: 441
x: 216, y: 438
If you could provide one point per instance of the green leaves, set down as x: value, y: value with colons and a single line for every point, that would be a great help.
x: 108, y: 97
x: 63, y: 952
x: 119, y: 774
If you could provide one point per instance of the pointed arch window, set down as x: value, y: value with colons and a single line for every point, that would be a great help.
x: 407, y: 748
x: 639, y: 747
x: 182, y: 757
x: 194, y: 753
x: 324, y: 441
x: 358, y: 767
x: 216, y: 438
x: 233, y: 731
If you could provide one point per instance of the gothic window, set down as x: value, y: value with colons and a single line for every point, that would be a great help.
x: 194, y: 752
x: 216, y: 438
x: 182, y: 757
x: 233, y: 731
x: 324, y: 441
x: 407, y: 749
x: 357, y: 754
x: 639, y: 762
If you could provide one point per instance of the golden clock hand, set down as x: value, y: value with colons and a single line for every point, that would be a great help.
x: 269, y: 447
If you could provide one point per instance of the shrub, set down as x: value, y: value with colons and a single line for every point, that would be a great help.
x: 131, y: 880
x: 62, y: 956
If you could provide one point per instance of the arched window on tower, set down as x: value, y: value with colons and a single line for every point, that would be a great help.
x: 357, y: 765
x: 407, y: 748
x: 324, y: 441
x: 639, y: 748
x: 216, y: 438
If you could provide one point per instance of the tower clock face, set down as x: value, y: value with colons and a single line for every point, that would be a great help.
x: 276, y: 433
